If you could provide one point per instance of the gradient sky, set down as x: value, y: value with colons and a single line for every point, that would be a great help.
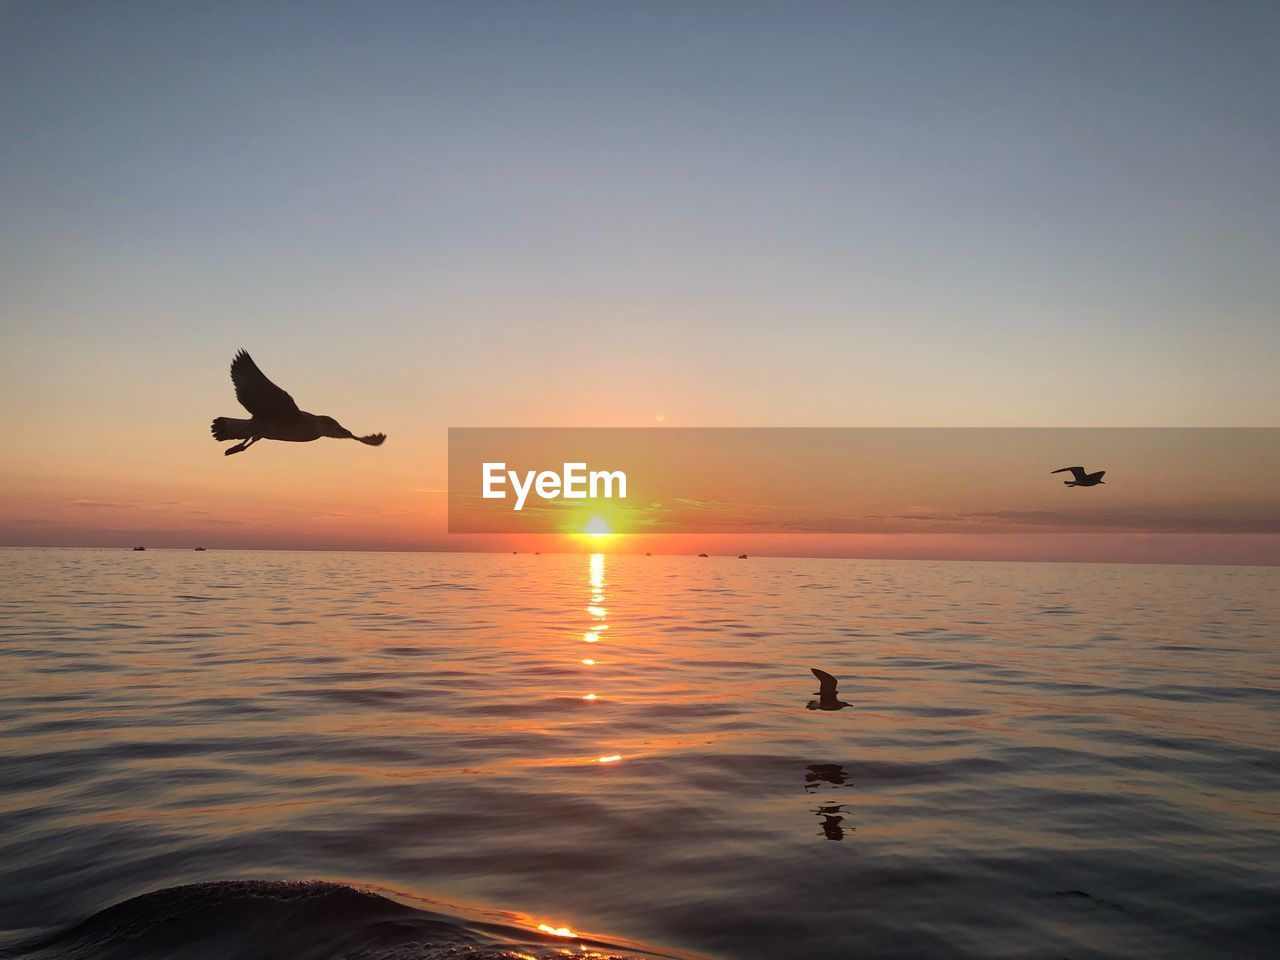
x: 419, y: 216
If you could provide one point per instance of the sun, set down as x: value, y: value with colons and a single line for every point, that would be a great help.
x: 596, y: 527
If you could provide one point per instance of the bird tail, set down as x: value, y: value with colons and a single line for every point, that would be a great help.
x: 231, y: 428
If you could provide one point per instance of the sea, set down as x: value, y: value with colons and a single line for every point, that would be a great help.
x: 247, y: 755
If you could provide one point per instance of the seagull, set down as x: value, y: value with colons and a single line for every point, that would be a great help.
x: 1082, y: 479
x: 826, y: 693
x: 274, y: 414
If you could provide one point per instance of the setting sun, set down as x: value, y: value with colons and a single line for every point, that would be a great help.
x: 596, y: 527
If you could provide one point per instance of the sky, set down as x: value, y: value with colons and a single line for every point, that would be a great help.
x: 418, y: 216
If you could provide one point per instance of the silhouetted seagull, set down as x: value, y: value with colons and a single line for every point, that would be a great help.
x: 274, y: 414
x: 826, y: 693
x: 1082, y: 479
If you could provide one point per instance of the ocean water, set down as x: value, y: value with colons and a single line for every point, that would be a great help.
x: 1041, y: 760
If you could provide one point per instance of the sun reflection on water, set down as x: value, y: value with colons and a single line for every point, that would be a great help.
x: 556, y: 931
x: 598, y: 613
x: 597, y: 576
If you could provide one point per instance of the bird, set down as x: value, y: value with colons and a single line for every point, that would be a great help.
x: 274, y: 415
x: 1082, y: 479
x: 826, y: 692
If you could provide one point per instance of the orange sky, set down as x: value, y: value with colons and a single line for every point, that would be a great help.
x: 114, y: 475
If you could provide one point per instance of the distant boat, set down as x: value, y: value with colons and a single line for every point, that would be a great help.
x: 702, y: 554
x: 200, y: 549
x: 742, y: 556
x: 139, y: 548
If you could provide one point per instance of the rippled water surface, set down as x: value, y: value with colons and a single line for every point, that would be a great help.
x: 1041, y: 760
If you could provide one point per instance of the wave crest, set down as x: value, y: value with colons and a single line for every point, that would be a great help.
x: 301, y: 920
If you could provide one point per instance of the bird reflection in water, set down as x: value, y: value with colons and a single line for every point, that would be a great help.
x: 831, y: 821
x: 819, y: 773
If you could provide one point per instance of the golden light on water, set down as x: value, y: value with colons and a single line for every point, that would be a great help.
x: 556, y: 931
x: 598, y: 614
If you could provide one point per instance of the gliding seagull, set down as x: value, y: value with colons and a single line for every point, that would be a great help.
x: 826, y: 692
x: 1082, y: 479
x: 274, y: 414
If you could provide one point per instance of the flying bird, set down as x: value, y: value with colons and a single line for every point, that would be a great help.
x: 826, y: 692
x: 273, y: 414
x: 1082, y: 479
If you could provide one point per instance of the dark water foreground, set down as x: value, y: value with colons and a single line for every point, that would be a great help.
x: 266, y: 920
x: 1042, y: 760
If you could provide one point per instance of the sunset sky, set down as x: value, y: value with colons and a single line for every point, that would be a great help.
x: 421, y: 216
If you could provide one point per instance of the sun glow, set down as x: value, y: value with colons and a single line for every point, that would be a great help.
x: 614, y: 758
x: 596, y: 527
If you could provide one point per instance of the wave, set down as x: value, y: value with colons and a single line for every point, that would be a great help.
x: 303, y: 920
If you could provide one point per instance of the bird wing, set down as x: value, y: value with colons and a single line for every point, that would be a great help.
x: 1077, y: 472
x: 827, y: 682
x: 256, y: 393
